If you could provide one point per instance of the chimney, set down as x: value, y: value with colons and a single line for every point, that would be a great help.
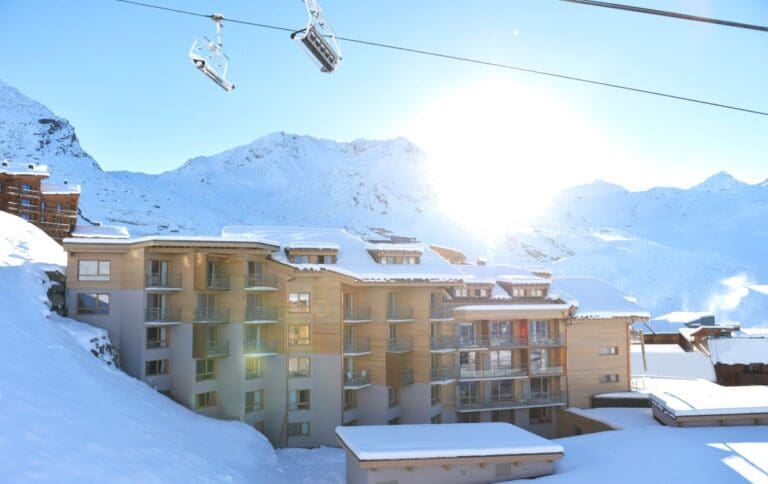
x: 482, y: 261
x: 66, y: 182
x: 31, y: 166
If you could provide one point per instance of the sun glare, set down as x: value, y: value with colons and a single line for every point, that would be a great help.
x: 498, y: 152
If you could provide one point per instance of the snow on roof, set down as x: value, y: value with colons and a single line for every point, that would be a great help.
x: 595, y: 298
x: 100, y: 232
x: 619, y: 418
x: 353, y: 258
x: 92, y: 239
x: 19, y: 168
x: 700, y: 397
x: 514, y: 307
x: 738, y: 350
x: 672, y: 361
x: 395, y: 246
x: 522, y: 279
x: 684, y: 317
x: 59, y: 188
x: 488, y: 274
x: 312, y: 245
x: 396, y: 442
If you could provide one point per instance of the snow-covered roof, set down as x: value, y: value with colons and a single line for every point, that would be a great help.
x: 399, y: 442
x: 513, y: 307
x: 595, y: 298
x: 93, y: 239
x: 395, y: 246
x: 670, y: 360
x: 312, y: 245
x: 59, y: 188
x: 738, y: 350
x: 19, y: 168
x: 489, y: 274
x: 100, y: 232
x: 700, y: 397
x: 353, y: 258
x: 684, y: 317
x: 522, y: 279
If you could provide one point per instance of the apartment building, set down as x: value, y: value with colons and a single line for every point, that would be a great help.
x: 25, y: 192
x: 297, y: 331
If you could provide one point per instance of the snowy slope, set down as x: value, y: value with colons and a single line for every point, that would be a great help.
x: 67, y: 416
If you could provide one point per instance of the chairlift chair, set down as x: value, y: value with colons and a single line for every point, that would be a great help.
x: 208, y: 58
x: 312, y: 39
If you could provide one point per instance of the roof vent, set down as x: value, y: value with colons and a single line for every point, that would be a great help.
x: 66, y: 182
x: 31, y: 166
x: 482, y: 261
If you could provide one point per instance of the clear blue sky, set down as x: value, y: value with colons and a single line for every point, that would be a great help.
x: 120, y: 74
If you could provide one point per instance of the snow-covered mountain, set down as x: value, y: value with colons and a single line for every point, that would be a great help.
x: 695, y: 249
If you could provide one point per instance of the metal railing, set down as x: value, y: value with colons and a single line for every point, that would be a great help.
x: 442, y: 343
x: 218, y: 281
x: 360, y: 313
x: 477, y: 402
x: 406, y: 377
x: 217, y: 348
x: 401, y: 313
x: 162, y: 315
x: 261, y: 313
x: 493, y: 372
x: 165, y: 280
x: 158, y: 343
x: 251, y: 347
x: 357, y: 346
x: 261, y: 280
x: 508, y: 341
x: 546, y: 370
x: 212, y: 315
x: 400, y: 345
x: 440, y: 313
x: 443, y: 374
x: 357, y: 379
x: 555, y: 340
x: 59, y: 212
x: 471, y: 342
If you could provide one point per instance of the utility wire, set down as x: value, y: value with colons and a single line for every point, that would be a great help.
x: 664, y: 13
x: 467, y: 59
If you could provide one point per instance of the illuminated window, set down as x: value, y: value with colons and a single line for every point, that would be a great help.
x: 298, y: 302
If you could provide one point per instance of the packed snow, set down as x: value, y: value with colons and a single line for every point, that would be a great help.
x: 700, y: 397
x: 100, y: 231
x: 595, y: 298
x: 619, y: 418
x: 670, y: 360
x: 739, y: 350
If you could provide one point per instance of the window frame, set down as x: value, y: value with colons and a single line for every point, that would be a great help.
x: 206, y: 399
x: 258, y: 362
x: 256, y: 404
x: 304, y: 429
x: 99, y: 309
x: 300, y: 399
x: 298, y: 372
x: 163, y: 338
x: 299, y: 306
x: 299, y: 340
x: 163, y: 367
x: 609, y: 378
x: 99, y: 275
x: 608, y: 351
x: 209, y: 373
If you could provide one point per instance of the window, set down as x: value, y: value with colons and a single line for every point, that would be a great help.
x: 537, y: 292
x: 93, y: 270
x: 298, y: 429
x: 469, y: 417
x: 350, y: 399
x: 608, y: 350
x: 612, y: 378
x: 299, y: 335
x: 298, y: 302
x: 394, y: 421
x: 253, y: 368
x: 26, y: 187
x: 436, y: 419
x: 26, y: 203
x: 503, y: 416
x: 394, y: 396
x: 540, y: 415
x: 157, y: 337
x: 25, y: 216
x: 207, y: 399
x: 298, y: 400
x: 156, y: 367
x: 483, y: 293
x: 434, y: 391
x: 301, y: 259
x: 326, y: 259
x: 205, y: 369
x: 254, y: 401
x: 298, y: 366
x: 458, y: 292
x: 92, y: 303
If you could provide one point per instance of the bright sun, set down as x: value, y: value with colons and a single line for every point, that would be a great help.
x: 498, y: 152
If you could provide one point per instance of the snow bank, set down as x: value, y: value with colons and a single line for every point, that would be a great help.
x: 68, y: 417
x: 619, y: 418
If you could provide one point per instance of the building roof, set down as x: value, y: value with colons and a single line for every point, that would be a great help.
x: 739, y: 350
x: 401, y: 442
x: 595, y: 298
x: 312, y: 245
x: 697, y: 397
x: 686, y: 317
x: 19, y: 168
x: 99, y: 232
x: 60, y: 188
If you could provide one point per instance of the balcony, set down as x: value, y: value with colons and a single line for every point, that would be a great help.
x: 442, y: 344
x: 261, y: 315
x: 261, y: 282
x: 442, y: 376
x: 406, y: 377
x: 440, y: 314
x: 403, y: 314
x: 556, y: 340
x: 211, y: 315
x: 218, y: 281
x: 259, y: 347
x: 163, y: 280
x: 360, y: 314
x: 59, y: 213
x: 356, y: 380
x: 493, y: 372
x: 400, y: 345
x: 162, y: 315
x: 504, y: 341
x: 472, y: 342
x: 357, y: 347
x: 476, y: 403
x: 217, y: 349
x: 540, y: 370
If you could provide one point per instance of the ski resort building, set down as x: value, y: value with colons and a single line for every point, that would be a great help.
x: 297, y: 331
x: 25, y: 192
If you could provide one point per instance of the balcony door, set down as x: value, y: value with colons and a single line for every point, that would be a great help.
x: 157, y: 306
x: 502, y: 390
x: 215, y: 273
x: 539, y: 358
x: 540, y: 386
x: 349, y: 305
x: 253, y: 333
x: 500, y: 359
x: 539, y: 330
x: 501, y: 332
x: 255, y: 269
x: 158, y: 272
x: 391, y: 303
x: 468, y: 392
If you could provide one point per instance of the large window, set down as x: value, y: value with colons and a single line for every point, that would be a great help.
x: 297, y: 429
x: 254, y: 401
x: 207, y: 399
x: 253, y: 368
x: 156, y: 367
x: 205, y: 369
x: 93, y: 270
x: 298, y: 302
x: 298, y: 400
x: 299, y: 335
x: 91, y: 303
x: 299, y: 366
x: 157, y: 337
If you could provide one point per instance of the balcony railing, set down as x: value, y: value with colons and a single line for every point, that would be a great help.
x: 400, y: 345
x: 402, y: 313
x: 162, y: 315
x: 504, y: 341
x: 59, y: 213
x: 476, y: 402
x: 438, y: 314
x: 546, y: 370
x: 217, y: 348
x: 218, y: 281
x: 255, y: 347
x: 165, y: 280
x: 212, y: 315
x: 492, y: 372
x: 440, y: 375
x: 263, y: 281
x: 266, y: 314
x: 406, y: 377
x: 358, y: 346
x: 471, y: 342
x: 360, y: 314
x: 555, y: 340
x: 356, y: 380
x: 442, y: 343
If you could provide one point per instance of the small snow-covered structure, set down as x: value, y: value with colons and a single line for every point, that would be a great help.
x: 741, y: 359
x: 448, y: 453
